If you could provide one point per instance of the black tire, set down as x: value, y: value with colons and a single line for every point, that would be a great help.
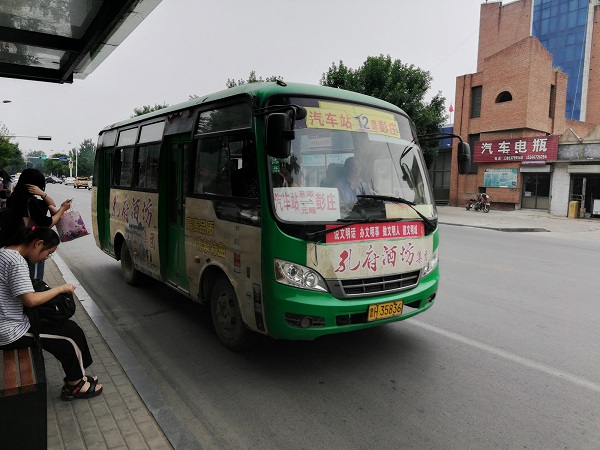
x: 131, y: 275
x: 226, y: 316
x: 486, y: 208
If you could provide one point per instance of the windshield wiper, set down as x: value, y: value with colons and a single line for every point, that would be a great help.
x: 428, y: 223
x: 403, y: 201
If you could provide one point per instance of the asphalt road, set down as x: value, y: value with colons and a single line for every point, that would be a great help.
x: 507, y: 357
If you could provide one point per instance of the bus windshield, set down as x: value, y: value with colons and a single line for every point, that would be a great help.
x: 342, y: 151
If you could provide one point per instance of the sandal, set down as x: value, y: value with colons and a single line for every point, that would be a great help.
x: 73, y: 392
x: 86, y: 376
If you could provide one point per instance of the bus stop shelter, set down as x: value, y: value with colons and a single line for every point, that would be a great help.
x: 59, y: 40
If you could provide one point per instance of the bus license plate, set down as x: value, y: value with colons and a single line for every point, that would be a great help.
x: 385, y: 310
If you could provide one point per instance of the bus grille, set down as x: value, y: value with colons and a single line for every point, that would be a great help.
x: 362, y: 287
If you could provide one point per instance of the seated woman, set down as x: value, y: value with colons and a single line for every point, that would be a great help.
x: 64, y: 340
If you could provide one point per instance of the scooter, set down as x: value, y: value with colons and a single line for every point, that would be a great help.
x: 482, y: 202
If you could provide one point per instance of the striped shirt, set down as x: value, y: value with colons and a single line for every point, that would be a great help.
x: 14, y: 281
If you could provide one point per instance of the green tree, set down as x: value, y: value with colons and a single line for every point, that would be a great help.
x: 251, y: 79
x: 33, y: 159
x: 85, y: 158
x: 147, y: 108
x: 56, y: 167
x: 400, y: 84
x: 11, y: 157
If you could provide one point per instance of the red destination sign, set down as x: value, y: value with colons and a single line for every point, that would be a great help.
x: 525, y: 150
x: 374, y: 231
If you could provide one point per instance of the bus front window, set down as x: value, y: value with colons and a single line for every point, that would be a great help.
x: 342, y: 151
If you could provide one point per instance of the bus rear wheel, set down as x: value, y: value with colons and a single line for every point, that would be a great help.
x: 226, y: 316
x: 130, y: 273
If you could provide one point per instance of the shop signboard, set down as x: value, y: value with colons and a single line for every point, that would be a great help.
x: 525, y: 150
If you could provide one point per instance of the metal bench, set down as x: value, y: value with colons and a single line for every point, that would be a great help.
x: 23, y: 404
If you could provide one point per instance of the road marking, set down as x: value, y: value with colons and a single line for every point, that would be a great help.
x: 509, y: 356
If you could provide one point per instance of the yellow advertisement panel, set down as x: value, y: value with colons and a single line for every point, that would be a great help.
x: 346, y: 117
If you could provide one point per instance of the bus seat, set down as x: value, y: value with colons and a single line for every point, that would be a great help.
x: 334, y: 173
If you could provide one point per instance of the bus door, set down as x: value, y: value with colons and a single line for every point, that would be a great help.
x: 178, y: 160
x: 105, y: 204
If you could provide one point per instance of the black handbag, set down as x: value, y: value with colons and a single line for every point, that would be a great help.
x: 55, y: 311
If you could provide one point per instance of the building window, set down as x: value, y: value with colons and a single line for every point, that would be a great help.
x: 472, y: 139
x: 504, y: 97
x: 475, y: 102
x: 552, y: 100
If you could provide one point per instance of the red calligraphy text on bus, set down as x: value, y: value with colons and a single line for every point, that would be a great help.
x: 114, y: 207
x: 407, y: 254
x: 389, y: 255
x: 135, y: 209
x: 371, y: 259
x: 147, y: 211
x: 125, y: 210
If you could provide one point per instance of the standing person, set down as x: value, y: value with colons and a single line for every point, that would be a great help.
x: 30, y: 201
x: 5, y: 187
x: 64, y: 340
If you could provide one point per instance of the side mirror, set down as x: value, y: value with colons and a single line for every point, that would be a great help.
x: 464, y: 158
x: 280, y: 135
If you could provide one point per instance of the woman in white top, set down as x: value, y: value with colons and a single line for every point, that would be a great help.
x: 66, y: 341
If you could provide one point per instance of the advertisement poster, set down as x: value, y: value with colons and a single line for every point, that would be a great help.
x: 506, y: 178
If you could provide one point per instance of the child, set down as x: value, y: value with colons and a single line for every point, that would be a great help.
x: 64, y: 340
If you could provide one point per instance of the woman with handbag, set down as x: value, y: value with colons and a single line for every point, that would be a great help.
x: 29, y: 201
x: 65, y: 339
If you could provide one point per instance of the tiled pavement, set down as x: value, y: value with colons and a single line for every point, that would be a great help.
x: 117, y: 419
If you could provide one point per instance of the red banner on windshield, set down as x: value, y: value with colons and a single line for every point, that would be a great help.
x: 374, y: 231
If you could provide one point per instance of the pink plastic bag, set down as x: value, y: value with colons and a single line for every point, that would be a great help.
x: 70, y: 226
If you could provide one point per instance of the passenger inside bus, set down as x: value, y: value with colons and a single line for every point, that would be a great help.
x: 332, y: 175
x: 244, y: 181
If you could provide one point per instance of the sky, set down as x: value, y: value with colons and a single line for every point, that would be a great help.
x: 192, y: 47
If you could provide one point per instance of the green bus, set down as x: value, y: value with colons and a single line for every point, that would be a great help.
x: 291, y: 210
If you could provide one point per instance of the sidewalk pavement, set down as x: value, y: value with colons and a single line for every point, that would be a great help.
x: 120, y: 419
x: 524, y: 220
x: 116, y: 419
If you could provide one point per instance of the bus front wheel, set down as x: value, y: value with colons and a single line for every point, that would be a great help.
x: 226, y: 316
x: 130, y: 273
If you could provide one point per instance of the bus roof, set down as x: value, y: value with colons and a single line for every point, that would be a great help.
x: 262, y: 90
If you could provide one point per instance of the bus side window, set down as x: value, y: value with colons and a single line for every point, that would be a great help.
x: 123, y: 166
x: 147, y: 166
x: 211, y: 174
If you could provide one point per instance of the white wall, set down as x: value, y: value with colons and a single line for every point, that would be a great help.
x: 559, y: 189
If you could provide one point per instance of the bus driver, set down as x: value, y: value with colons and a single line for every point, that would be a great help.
x: 351, y: 185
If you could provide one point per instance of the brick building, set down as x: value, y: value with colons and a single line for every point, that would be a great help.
x: 516, y: 108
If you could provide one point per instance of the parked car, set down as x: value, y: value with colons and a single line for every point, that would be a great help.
x: 69, y: 180
x: 81, y: 182
x: 53, y: 180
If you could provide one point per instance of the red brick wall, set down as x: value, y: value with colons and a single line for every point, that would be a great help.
x: 525, y: 70
x: 593, y: 97
x: 581, y: 129
x: 501, y: 26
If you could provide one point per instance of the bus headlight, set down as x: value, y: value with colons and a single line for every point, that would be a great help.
x: 299, y: 276
x: 432, y: 264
